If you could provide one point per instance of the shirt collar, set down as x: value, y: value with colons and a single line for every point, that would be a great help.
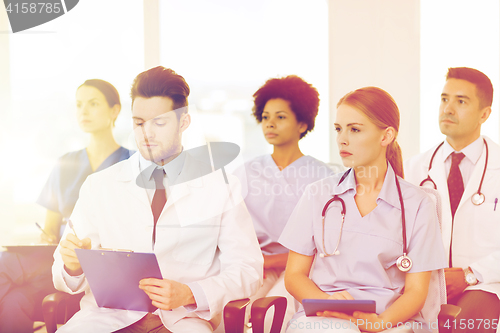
x: 388, y: 193
x: 472, y: 151
x: 172, y: 169
x: 349, y: 183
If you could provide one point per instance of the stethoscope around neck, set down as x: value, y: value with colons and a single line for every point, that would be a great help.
x: 404, y: 263
x: 478, y: 198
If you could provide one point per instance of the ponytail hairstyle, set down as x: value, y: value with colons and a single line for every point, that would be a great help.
x: 382, y: 110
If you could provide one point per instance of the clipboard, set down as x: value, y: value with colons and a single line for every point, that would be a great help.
x: 114, y: 277
x: 43, y: 250
x: 312, y: 306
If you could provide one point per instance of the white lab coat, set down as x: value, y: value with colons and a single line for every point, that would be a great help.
x: 204, y: 238
x: 476, y: 234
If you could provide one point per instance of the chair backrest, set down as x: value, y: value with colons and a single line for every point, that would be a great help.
x: 436, y: 295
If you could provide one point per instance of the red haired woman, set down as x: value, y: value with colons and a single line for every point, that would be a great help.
x: 370, y: 234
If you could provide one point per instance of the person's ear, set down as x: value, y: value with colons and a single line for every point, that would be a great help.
x: 184, y: 122
x: 115, y: 111
x: 302, y: 127
x: 389, y: 135
x: 485, y: 114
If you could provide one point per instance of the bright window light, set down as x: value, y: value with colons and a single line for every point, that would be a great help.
x: 457, y: 33
x: 47, y: 64
x: 227, y: 49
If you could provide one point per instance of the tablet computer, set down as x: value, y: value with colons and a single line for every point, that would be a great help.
x: 312, y: 306
x: 114, y: 276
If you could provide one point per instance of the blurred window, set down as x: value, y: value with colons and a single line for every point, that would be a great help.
x: 227, y: 49
x: 97, y: 39
x: 456, y: 33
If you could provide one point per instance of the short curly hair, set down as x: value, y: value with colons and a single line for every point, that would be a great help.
x: 302, y: 96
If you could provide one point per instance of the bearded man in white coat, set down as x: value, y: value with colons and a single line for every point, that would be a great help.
x: 466, y: 171
x: 195, y: 222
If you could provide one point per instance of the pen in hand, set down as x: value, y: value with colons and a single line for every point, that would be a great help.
x: 72, y: 227
x: 50, y: 238
x: 39, y: 227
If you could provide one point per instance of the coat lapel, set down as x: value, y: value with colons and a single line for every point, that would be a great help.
x: 190, y: 177
x: 475, y: 178
x: 438, y: 175
x: 128, y: 174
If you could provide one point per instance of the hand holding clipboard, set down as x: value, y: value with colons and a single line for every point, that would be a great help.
x: 113, y: 277
x: 131, y: 281
x: 167, y: 294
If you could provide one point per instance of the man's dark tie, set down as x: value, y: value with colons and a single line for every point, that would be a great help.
x: 455, y: 182
x: 159, y: 199
x: 455, y: 190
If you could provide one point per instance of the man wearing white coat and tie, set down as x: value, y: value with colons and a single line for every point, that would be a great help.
x: 198, y: 226
x: 465, y: 169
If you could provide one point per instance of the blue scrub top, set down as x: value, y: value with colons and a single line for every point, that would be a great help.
x: 60, y: 193
x: 273, y: 194
x: 370, y: 245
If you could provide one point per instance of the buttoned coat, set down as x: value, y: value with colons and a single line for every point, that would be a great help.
x: 476, y: 229
x: 204, y: 238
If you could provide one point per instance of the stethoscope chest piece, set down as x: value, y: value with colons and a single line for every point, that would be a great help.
x: 477, y: 199
x: 404, y: 263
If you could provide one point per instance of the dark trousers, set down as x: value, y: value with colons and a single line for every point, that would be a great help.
x: 480, y: 312
x: 25, y: 279
x: 150, y: 323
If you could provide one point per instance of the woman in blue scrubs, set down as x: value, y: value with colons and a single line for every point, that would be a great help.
x: 26, y: 279
x: 98, y: 105
x: 286, y: 109
x: 357, y: 259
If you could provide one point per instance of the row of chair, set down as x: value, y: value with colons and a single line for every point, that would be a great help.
x: 59, y: 307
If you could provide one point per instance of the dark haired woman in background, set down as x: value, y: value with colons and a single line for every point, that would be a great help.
x: 26, y: 279
x: 286, y: 109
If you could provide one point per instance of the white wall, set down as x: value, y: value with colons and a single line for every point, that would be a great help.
x: 467, y: 36
x: 377, y: 43
x: 6, y: 189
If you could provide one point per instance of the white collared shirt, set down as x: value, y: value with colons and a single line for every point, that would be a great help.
x: 172, y: 170
x: 472, y: 154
